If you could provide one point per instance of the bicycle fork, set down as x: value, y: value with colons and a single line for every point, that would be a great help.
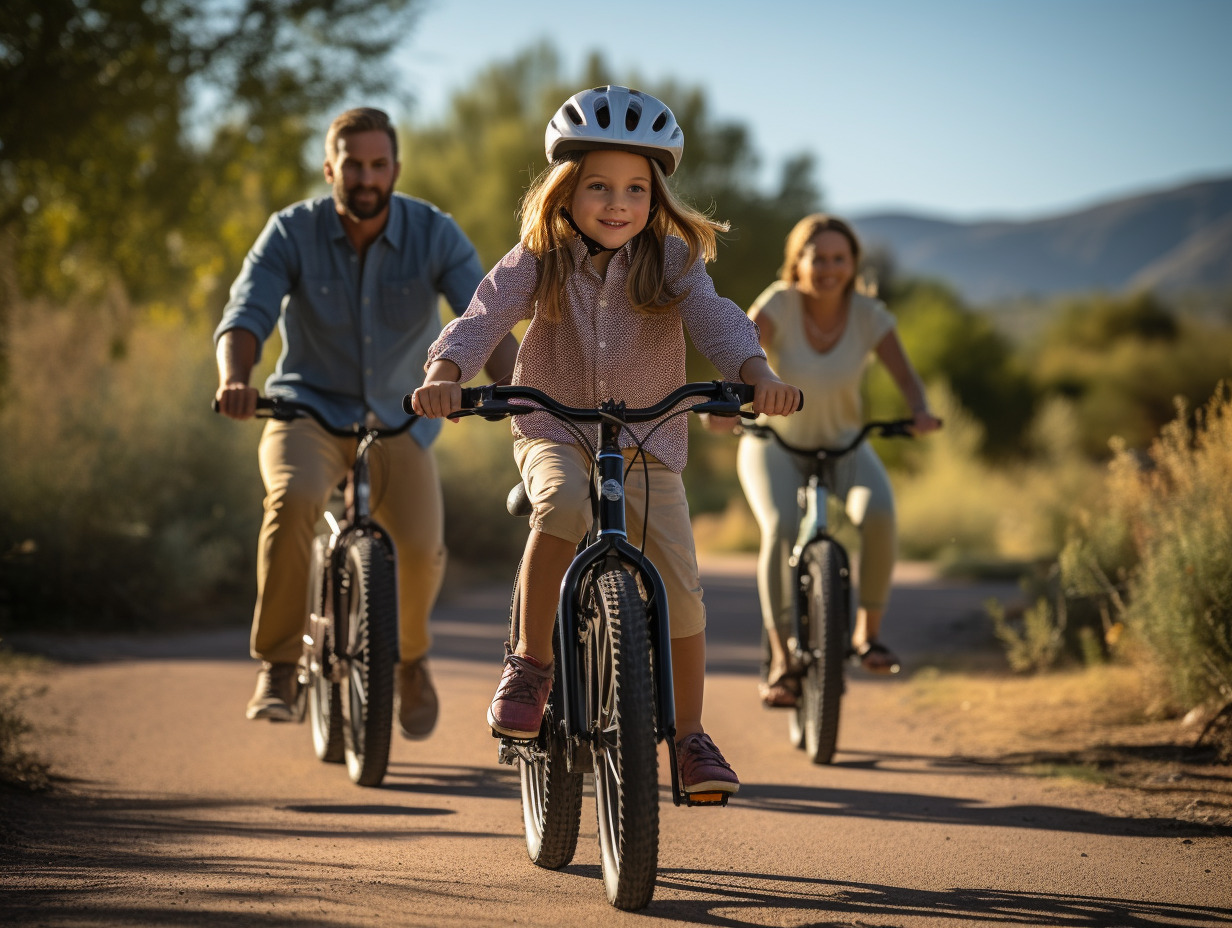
x: 812, y: 500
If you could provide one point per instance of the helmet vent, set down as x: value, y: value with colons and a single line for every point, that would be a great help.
x: 603, y: 116
x: 660, y: 122
x: 574, y: 116
x: 632, y: 118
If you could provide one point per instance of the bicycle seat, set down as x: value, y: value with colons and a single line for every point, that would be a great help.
x: 517, y: 502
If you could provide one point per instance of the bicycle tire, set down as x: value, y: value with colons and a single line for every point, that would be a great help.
x: 620, y: 714
x: 369, y: 604
x: 551, y: 793
x: 323, y: 697
x: 824, y: 588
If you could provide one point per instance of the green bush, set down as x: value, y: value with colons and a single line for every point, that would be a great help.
x: 477, y: 471
x: 1179, y: 513
x: 126, y: 500
x: 1146, y: 573
x: 1121, y: 361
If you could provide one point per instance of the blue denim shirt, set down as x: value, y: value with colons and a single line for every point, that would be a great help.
x: 354, y: 339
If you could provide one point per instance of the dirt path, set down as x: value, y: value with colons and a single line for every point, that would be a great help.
x: 174, y: 810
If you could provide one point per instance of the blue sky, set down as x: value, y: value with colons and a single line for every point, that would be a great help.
x: 959, y: 108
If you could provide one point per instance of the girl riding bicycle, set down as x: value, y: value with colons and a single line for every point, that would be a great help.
x: 821, y: 332
x: 610, y: 270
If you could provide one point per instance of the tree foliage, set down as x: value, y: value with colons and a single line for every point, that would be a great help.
x: 1122, y: 361
x: 130, y: 127
x: 951, y: 343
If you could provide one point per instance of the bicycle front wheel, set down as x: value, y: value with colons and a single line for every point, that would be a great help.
x: 824, y: 588
x: 369, y: 603
x: 621, y: 719
x: 324, y: 696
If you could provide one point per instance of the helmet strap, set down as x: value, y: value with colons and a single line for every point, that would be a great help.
x: 592, y: 247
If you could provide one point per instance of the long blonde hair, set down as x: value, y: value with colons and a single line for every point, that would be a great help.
x: 547, y: 236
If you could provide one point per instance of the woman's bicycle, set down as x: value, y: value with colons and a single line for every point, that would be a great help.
x: 346, y: 670
x: 820, y: 642
x: 611, y: 700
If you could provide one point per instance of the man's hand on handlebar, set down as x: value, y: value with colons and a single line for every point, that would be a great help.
x: 237, y: 400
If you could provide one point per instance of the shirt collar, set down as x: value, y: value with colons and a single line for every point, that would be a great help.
x: 580, y: 252
x: 392, y: 233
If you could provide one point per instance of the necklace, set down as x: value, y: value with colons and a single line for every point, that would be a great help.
x: 824, y: 337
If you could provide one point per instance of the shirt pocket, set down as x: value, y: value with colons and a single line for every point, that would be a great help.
x: 406, y: 307
x: 323, y: 305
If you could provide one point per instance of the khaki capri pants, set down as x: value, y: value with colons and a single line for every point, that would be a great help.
x: 770, y: 477
x: 557, y: 478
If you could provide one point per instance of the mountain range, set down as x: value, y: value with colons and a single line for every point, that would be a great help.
x: 1177, y: 240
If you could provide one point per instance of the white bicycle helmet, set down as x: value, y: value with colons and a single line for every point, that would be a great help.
x: 616, y: 117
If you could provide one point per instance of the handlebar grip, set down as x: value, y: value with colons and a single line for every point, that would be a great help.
x: 263, y: 402
x: 745, y: 391
x: 470, y: 398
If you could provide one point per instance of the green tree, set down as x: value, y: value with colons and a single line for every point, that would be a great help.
x: 1122, y: 361
x: 110, y: 167
x: 949, y: 342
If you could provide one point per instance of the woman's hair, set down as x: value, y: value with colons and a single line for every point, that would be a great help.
x: 802, y: 235
x: 547, y: 236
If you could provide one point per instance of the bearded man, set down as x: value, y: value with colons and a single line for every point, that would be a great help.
x: 351, y: 281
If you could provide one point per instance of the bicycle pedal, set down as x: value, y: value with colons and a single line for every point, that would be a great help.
x: 505, y: 753
x: 716, y: 798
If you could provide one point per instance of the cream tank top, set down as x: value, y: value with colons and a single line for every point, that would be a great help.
x: 833, y: 408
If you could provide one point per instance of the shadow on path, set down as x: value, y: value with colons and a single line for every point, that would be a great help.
x: 725, y: 895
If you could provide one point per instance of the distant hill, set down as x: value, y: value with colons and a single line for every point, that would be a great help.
x: 1171, y: 240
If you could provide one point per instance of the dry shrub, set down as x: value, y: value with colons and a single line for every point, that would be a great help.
x: 957, y: 508
x: 949, y: 505
x: 1146, y: 572
x: 1177, y: 507
x: 477, y: 471
x: 126, y: 500
x: 20, y: 768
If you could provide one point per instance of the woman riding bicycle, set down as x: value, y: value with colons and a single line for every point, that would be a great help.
x: 610, y: 271
x: 819, y: 332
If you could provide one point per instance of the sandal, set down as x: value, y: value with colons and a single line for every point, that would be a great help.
x: 876, y: 657
x: 783, y: 693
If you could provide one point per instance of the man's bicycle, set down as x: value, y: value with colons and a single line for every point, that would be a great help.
x: 820, y: 642
x: 611, y: 700
x: 346, y: 670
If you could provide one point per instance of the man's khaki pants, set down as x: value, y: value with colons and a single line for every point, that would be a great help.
x: 301, y: 463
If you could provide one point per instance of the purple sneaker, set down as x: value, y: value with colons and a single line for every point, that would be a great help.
x: 702, y: 767
x: 517, y: 708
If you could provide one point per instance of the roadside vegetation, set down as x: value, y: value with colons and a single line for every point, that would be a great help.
x: 20, y: 767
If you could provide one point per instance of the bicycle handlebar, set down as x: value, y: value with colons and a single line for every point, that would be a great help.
x: 284, y: 410
x: 885, y: 428
x: 724, y: 398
